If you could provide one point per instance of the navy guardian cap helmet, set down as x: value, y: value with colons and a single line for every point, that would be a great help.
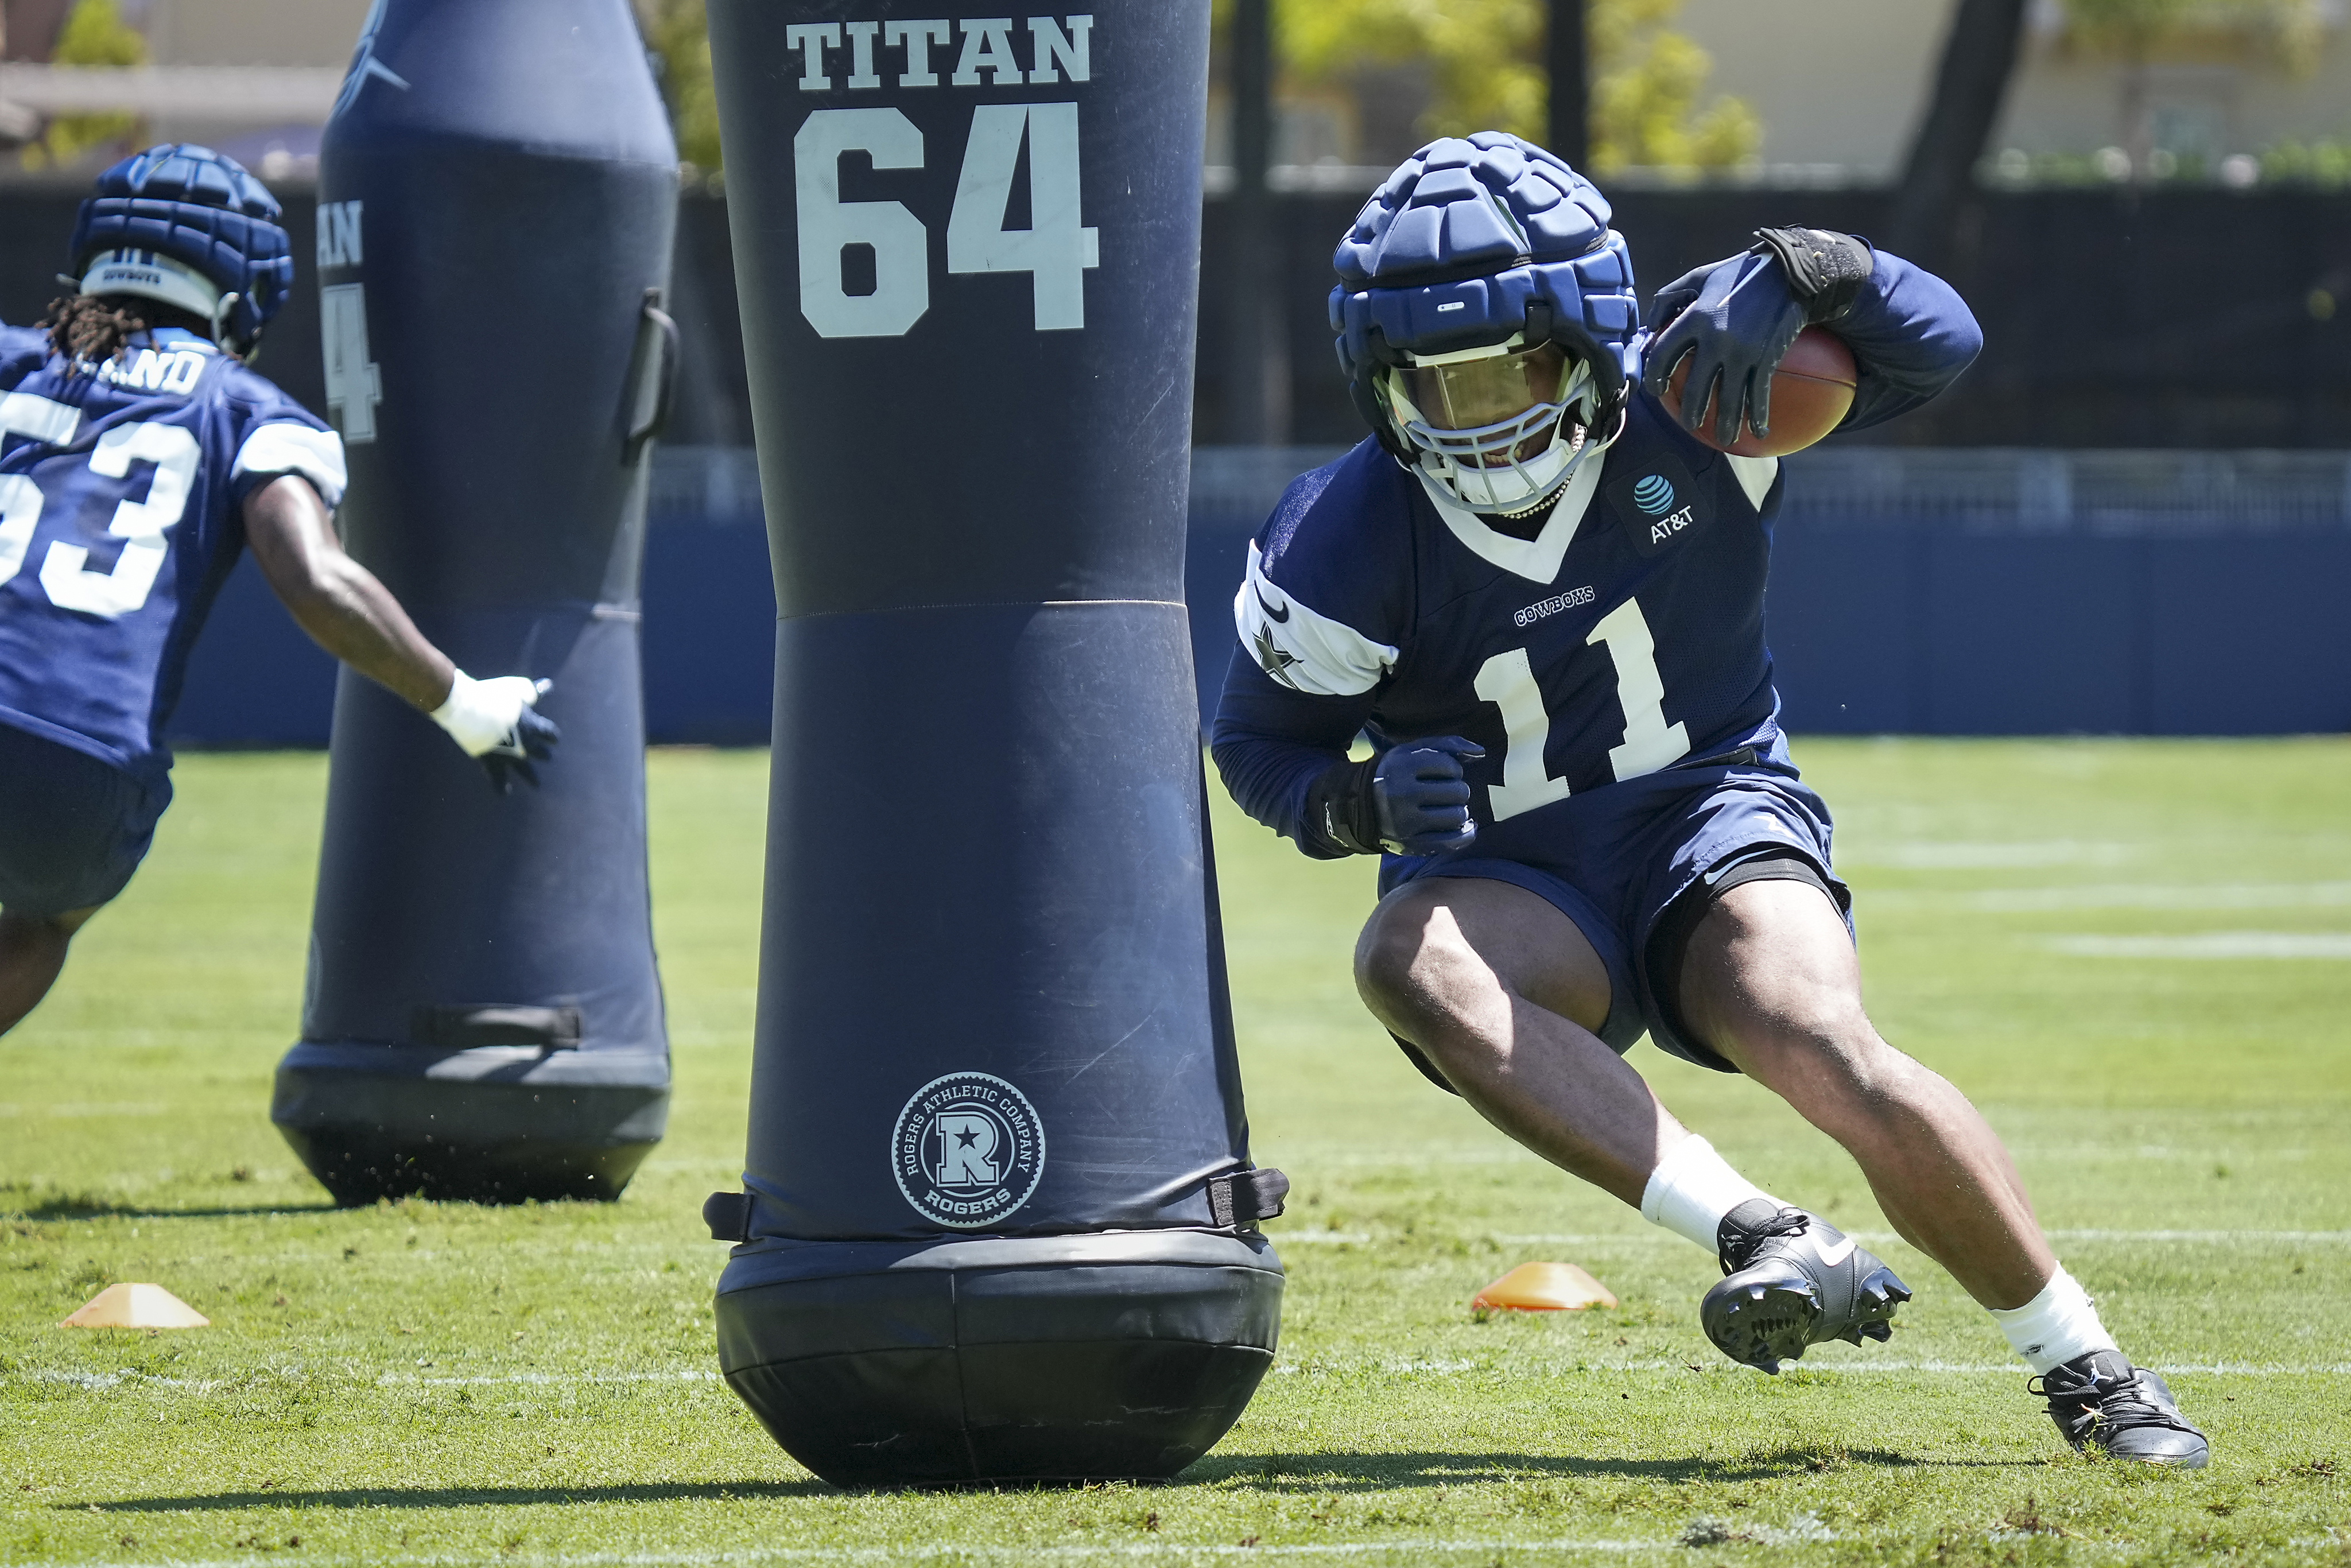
x: 186, y: 227
x: 1486, y: 318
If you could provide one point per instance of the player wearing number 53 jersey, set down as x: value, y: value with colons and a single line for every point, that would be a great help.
x: 1541, y: 598
x: 138, y: 455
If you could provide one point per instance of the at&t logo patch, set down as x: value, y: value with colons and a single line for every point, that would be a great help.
x: 967, y: 1150
x: 1654, y: 495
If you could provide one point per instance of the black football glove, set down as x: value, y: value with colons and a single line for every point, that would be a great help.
x: 1734, y: 320
x: 1410, y: 799
x: 531, y: 739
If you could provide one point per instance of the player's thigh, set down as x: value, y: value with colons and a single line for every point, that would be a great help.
x: 1772, y: 982
x: 1440, y: 944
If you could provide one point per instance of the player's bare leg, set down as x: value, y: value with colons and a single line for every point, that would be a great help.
x: 1771, y: 981
x: 32, y: 952
x: 1501, y: 992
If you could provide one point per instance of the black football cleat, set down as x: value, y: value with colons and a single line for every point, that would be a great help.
x: 1792, y: 1280
x: 2101, y: 1402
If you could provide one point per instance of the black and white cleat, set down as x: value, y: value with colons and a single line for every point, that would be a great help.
x: 1792, y: 1280
x: 2102, y: 1403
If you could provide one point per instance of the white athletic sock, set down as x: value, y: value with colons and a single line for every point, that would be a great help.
x: 1692, y: 1188
x: 2054, y: 1326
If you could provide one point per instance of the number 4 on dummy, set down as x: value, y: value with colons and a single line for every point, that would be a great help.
x: 1055, y: 250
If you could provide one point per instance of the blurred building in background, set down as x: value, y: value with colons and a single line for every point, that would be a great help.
x: 81, y: 80
x: 2226, y: 91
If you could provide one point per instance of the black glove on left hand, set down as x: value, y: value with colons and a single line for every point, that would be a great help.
x: 1734, y: 320
x: 1410, y: 799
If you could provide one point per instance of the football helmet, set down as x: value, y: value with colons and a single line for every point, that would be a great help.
x: 186, y: 227
x: 1485, y: 317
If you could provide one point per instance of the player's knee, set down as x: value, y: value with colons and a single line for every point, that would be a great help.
x: 1407, y: 961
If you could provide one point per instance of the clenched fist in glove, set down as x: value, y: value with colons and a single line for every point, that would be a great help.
x: 1410, y: 799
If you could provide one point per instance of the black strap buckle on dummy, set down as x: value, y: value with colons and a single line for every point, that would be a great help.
x: 728, y: 1215
x: 1244, y: 1198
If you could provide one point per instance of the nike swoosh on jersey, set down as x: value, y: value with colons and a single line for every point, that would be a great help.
x: 1837, y: 1251
x: 1281, y: 614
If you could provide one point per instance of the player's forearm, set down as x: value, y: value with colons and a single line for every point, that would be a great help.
x: 354, y: 617
x: 1911, y: 335
x: 1270, y: 745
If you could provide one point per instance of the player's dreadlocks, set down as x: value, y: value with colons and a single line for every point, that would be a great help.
x: 91, y: 329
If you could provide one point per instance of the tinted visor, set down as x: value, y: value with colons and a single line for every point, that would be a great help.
x: 1475, y: 393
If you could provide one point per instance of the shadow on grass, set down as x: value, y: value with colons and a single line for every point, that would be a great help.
x: 80, y: 1205
x: 461, y: 1496
x: 1336, y: 1472
x: 1382, y: 1472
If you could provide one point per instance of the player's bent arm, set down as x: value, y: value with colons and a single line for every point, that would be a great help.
x: 336, y: 600
x: 353, y: 616
x: 1283, y: 756
x: 1271, y: 744
x: 1911, y: 335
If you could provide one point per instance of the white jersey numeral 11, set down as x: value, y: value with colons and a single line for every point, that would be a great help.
x: 1508, y: 681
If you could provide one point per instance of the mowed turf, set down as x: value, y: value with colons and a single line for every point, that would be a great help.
x: 2135, y: 957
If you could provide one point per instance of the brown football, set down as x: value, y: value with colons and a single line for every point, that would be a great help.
x: 1810, y: 393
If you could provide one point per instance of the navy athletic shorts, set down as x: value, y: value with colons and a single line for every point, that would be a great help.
x: 1616, y: 860
x: 72, y: 828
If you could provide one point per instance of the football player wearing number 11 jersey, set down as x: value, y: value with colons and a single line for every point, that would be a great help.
x: 1541, y: 598
x: 138, y: 455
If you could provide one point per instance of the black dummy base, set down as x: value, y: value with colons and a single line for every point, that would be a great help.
x: 1120, y: 1356
x: 500, y: 1125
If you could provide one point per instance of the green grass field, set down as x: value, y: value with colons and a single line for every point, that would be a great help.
x: 2135, y: 957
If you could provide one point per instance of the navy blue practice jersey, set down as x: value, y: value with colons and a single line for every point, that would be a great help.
x: 121, y: 488
x: 1626, y: 636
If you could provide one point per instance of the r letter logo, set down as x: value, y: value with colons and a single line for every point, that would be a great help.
x: 967, y: 1150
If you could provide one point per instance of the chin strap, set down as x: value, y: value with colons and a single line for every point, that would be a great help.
x: 242, y: 353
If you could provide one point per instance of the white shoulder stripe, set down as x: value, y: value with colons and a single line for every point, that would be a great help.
x: 316, y: 455
x: 1304, y: 651
x: 1755, y: 476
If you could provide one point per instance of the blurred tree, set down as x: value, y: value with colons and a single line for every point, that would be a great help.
x: 677, y: 33
x: 1644, y: 95
x: 1970, y: 83
x: 1485, y: 56
x: 94, y: 35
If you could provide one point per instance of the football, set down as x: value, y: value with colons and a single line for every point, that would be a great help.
x: 1810, y: 393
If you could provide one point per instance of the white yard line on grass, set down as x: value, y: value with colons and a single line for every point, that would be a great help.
x: 2208, y: 944
x: 1874, y: 1368
x: 2119, y: 895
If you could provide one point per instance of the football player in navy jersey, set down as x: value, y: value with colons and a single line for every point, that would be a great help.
x: 138, y: 455
x: 1542, y: 601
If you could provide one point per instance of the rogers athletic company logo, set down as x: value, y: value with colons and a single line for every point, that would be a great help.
x: 967, y: 1150
x: 1553, y: 605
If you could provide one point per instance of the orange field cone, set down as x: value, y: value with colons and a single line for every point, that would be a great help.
x: 136, y: 1307
x: 1542, y: 1288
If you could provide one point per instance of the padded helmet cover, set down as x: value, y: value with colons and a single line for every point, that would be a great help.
x: 1470, y: 242
x: 198, y: 207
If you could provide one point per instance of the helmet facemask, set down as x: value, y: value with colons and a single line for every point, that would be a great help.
x: 1501, y: 428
